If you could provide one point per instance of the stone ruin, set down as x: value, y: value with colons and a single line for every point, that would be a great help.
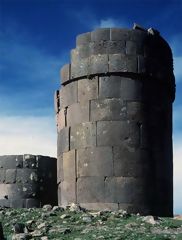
x: 114, y: 122
x: 27, y: 181
x: 114, y: 126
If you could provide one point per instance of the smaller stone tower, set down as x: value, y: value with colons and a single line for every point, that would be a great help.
x: 27, y: 181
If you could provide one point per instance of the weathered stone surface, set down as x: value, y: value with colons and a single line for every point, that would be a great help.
x: 99, y: 64
x: 11, y: 161
x: 68, y: 94
x: 68, y: 192
x: 56, y: 101
x: 122, y: 63
x: 136, y: 111
x: 99, y: 47
x: 83, y: 135
x: 69, y: 165
x: 131, y: 48
x: 17, y: 203
x: 65, y: 73
x: 80, y: 68
x: 145, y: 209
x: 61, y: 117
x: 110, y: 87
x: 83, y: 39
x: 31, y: 203
x: 90, y: 189
x: 107, y: 109
x: 114, y: 47
x: 63, y: 141
x: 116, y: 133
x: 87, y: 89
x: 100, y: 206
x: 2, y: 175
x: 131, y: 163
x: 26, y: 175
x: 60, y: 172
x: 77, y: 113
x: 125, y: 190
x: 142, y: 64
x: 118, y: 34
x: 95, y: 161
x: 29, y: 161
x: 100, y: 34
x: 10, y: 176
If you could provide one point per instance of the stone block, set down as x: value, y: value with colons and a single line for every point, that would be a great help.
x: 116, y: 133
x: 90, y: 189
x: 80, y: 53
x: 56, y: 101
x: 131, y: 163
x: 122, y: 63
x: 110, y: 190
x: 2, y: 175
x: 17, y: 203
x: 59, y: 194
x: 63, y: 141
x: 99, y: 47
x: 68, y: 192
x: 10, y: 176
x: 77, y: 113
x: 111, y: 133
x: 99, y: 64
x: 11, y: 161
x: 29, y: 161
x: 136, y: 111
x: 83, y: 39
x: 61, y: 119
x: 116, y: 64
x: 4, y: 203
x: 87, y: 89
x: 60, y: 172
x: 100, y: 206
x: 95, y: 161
x: 142, y: 67
x: 80, y: 68
x: 107, y: 109
x: 9, y: 191
x: 83, y: 135
x: 118, y: 34
x: 69, y: 165
x: 114, y: 47
x: 131, y: 48
x: 30, y: 190
x: 26, y: 175
x: 131, y: 190
x: 65, y: 73
x: 131, y: 89
x: 32, y: 203
x: 110, y: 87
x: 68, y: 94
x: 120, y: 87
x: 100, y: 34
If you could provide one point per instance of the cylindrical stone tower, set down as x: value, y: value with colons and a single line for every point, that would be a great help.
x: 27, y: 181
x: 114, y: 121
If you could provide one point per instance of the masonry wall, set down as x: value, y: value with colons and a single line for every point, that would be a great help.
x: 114, y: 121
x: 27, y: 181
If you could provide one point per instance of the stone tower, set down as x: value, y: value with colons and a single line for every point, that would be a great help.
x: 114, y: 122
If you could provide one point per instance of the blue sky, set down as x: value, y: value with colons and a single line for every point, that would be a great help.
x: 35, y: 39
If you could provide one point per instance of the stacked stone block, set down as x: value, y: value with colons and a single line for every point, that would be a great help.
x: 27, y: 181
x: 114, y: 121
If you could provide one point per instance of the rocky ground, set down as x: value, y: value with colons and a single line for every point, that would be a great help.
x: 78, y: 224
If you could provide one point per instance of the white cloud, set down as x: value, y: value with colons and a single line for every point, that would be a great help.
x: 27, y: 134
x: 177, y: 153
x: 110, y: 22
